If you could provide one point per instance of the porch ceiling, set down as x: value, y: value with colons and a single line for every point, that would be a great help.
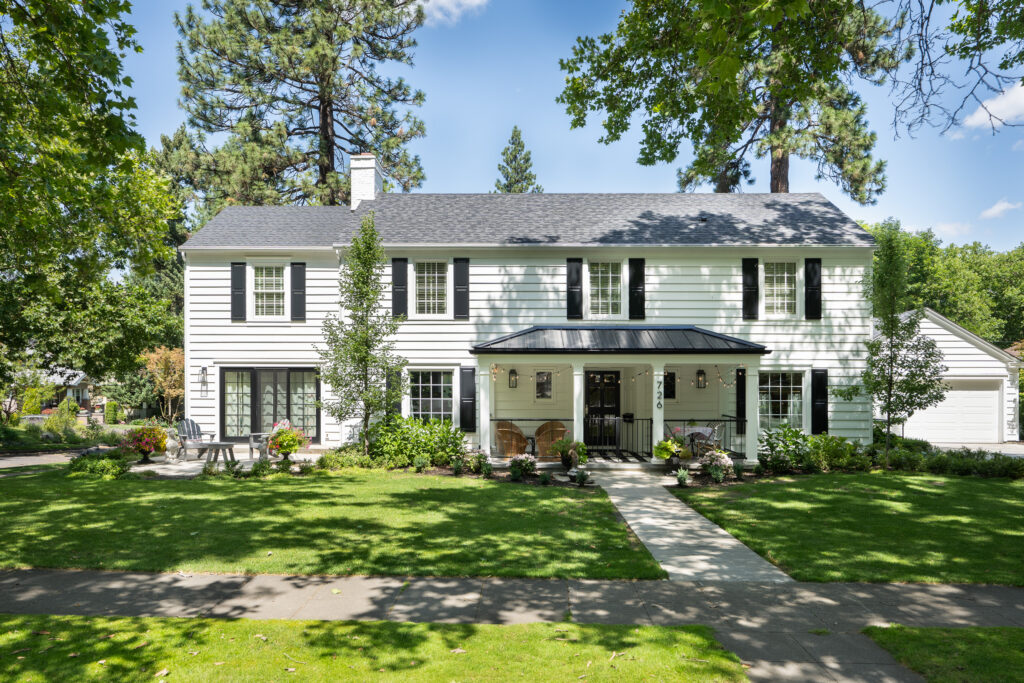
x: 638, y: 339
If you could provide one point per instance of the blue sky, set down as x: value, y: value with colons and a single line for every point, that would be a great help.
x: 486, y: 65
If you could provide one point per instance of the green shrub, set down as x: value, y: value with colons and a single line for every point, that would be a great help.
x: 233, y: 469
x: 420, y: 463
x: 683, y: 476
x: 477, y: 462
x: 581, y: 477
x: 32, y: 404
x: 521, y: 465
x: 758, y: 470
x: 284, y: 466
x: 458, y: 464
x: 859, y: 463
x: 906, y: 460
x: 33, y: 431
x: 110, y: 464
x: 737, y: 470
x: 305, y: 468
x: 827, y: 453
x: 545, y: 478
x: 210, y: 469
x: 63, y: 420
x: 112, y: 413
x: 260, y: 469
x: 487, y: 470
x: 779, y: 448
x: 340, y: 458
x: 396, y: 441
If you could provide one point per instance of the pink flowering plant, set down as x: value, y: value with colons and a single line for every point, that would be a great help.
x: 287, y: 440
x: 145, y: 440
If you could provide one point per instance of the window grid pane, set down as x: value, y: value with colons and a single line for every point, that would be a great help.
x: 780, y: 288
x: 237, y: 403
x: 605, y: 288
x: 780, y: 399
x: 303, y: 401
x: 430, y: 394
x: 268, y: 291
x: 543, y: 391
x: 431, y: 288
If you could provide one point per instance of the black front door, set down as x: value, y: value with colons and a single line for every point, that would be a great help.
x: 603, y: 407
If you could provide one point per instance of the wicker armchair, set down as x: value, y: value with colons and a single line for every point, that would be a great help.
x: 510, y: 439
x: 547, y: 434
x: 704, y: 443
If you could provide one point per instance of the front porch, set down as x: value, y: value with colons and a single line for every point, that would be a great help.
x: 619, y: 402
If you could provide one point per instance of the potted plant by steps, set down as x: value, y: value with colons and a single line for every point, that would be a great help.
x: 672, y: 451
x: 145, y: 441
x: 286, y: 441
x: 571, y: 453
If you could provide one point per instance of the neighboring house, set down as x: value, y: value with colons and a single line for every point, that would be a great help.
x: 620, y: 315
x: 73, y: 383
x: 981, y: 405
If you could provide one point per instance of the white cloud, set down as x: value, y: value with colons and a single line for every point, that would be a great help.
x: 449, y: 11
x: 1018, y: 146
x: 955, y: 135
x: 1006, y: 107
x: 999, y: 208
x: 951, y: 230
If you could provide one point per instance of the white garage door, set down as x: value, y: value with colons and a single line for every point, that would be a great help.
x: 970, y: 412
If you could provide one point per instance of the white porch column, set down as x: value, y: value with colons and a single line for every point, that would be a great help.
x: 753, y: 417
x: 483, y: 402
x: 658, y: 404
x: 579, y: 388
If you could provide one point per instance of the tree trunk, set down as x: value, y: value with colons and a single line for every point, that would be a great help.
x: 366, y: 433
x: 325, y: 164
x: 780, y: 156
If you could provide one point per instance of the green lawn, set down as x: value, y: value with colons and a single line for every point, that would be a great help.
x: 961, y: 655
x: 47, y: 648
x: 878, y: 526
x: 356, y: 522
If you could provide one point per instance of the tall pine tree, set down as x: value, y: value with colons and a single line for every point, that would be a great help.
x: 516, y: 168
x: 774, y: 81
x: 298, y: 85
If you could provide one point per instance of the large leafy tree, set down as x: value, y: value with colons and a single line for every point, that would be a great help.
x: 516, y: 167
x: 359, y: 362
x: 758, y: 80
x: 904, y: 368
x: 78, y: 200
x: 299, y: 86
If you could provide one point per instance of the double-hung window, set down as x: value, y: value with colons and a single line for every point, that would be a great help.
x: 544, y: 390
x: 430, y: 394
x: 780, y: 288
x: 781, y: 399
x: 268, y: 291
x: 431, y: 288
x: 605, y: 288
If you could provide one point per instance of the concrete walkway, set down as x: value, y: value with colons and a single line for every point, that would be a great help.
x: 41, y: 458
x: 685, y: 543
x: 769, y: 625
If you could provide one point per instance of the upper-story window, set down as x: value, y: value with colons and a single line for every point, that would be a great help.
x: 780, y: 288
x: 431, y: 288
x: 268, y: 291
x: 605, y: 288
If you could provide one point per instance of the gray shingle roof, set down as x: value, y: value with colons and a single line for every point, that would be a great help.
x: 546, y: 219
x: 618, y: 339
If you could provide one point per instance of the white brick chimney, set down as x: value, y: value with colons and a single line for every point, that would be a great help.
x: 366, y: 179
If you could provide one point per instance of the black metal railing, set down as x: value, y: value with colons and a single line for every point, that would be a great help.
x: 727, y: 432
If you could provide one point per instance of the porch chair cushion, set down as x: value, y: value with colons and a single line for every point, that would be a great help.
x: 547, y: 434
x: 510, y: 439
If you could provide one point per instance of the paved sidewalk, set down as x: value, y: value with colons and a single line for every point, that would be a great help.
x: 767, y: 625
x: 685, y: 543
x: 24, y: 459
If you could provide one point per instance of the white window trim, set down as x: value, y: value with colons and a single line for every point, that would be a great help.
x: 449, y: 304
x: 250, y: 290
x: 544, y: 401
x: 763, y: 298
x: 623, y: 313
x: 805, y: 388
x: 456, y: 396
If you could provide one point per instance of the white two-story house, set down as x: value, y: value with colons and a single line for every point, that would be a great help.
x: 619, y: 316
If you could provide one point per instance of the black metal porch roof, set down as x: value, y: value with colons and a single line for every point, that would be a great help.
x: 669, y: 339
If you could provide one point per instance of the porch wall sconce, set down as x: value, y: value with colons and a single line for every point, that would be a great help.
x: 513, y: 379
x: 203, y: 385
x: 702, y: 379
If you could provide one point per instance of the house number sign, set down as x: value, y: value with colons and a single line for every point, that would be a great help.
x: 660, y: 393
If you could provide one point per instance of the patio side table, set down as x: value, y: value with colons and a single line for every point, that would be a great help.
x: 216, y: 449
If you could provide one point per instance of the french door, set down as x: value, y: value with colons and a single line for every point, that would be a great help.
x: 255, y: 399
x: 602, y: 406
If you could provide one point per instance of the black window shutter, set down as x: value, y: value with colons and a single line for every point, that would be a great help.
x: 392, y: 379
x: 819, y: 401
x: 750, y: 289
x: 574, y: 288
x: 461, y: 288
x: 299, y: 291
x: 238, y: 291
x: 637, y: 289
x: 741, y: 401
x: 812, y: 288
x: 399, y: 287
x: 467, y: 399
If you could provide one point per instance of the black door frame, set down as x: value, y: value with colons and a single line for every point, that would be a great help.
x: 254, y: 406
x: 597, y: 434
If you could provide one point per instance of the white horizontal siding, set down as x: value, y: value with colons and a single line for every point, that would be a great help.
x: 511, y: 289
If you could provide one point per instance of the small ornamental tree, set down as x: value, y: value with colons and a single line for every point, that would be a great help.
x: 904, y: 368
x: 166, y: 368
x: 358, y: 357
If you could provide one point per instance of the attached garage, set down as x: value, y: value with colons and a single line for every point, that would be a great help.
x: 981, y: 405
